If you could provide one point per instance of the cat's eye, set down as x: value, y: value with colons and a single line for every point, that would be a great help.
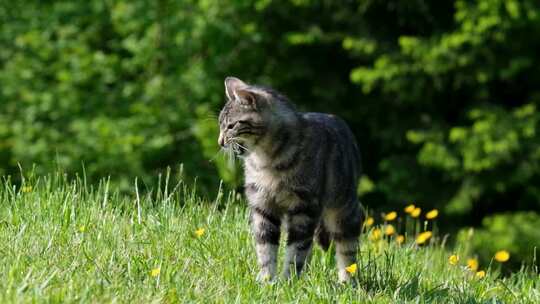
x: 230, y: 126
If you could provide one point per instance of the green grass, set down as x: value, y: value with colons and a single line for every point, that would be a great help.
x: 61, y: 241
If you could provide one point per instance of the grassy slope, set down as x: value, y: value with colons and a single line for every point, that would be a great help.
x: 59, y: 242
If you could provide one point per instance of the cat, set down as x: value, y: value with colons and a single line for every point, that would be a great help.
x: 301, y: 175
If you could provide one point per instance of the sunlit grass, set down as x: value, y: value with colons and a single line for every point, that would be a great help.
x: 61, y: 241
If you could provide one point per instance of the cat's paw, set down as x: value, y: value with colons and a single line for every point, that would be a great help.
x: 344, y: 277
x: 265, y: 277
x: 289, y: 274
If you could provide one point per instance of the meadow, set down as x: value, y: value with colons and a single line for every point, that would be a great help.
x: 62, y: 240
x: 442, y: 97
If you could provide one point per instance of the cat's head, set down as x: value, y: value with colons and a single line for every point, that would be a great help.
x: 250, y: 113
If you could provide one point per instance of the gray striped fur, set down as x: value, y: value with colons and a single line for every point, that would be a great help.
x: 301, y: 175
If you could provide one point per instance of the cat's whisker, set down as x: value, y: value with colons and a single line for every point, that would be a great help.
x: 232, y: 159
x: 205, y: 119
x: 235, y: 146
x: 233, y: 140
x: 230, y: 156
x: 246, y: 149
x: 212, y: 115
x: 218, y: 153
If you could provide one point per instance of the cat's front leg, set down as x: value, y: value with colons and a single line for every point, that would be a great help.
x: 266, y: 231
x: 301, y: 221
x: 265, y: 227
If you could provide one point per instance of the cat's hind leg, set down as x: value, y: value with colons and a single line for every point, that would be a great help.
x: 322, y: 236
x: 344, y: 226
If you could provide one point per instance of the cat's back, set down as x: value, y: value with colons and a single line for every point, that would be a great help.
x: 323, y: 124
x: 332, y: 132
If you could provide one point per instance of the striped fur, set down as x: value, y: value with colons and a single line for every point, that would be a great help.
x: 301, y: 174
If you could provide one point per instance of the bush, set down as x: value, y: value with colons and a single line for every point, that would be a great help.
x: 517, y: 233
x: 111, y: 85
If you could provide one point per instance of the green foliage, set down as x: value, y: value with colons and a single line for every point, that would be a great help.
x: 465, y: 95
x: 113, y: 85
x: 517, y: 233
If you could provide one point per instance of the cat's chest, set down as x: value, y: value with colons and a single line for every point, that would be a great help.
x: 272, y: 181
x: 265, y: 178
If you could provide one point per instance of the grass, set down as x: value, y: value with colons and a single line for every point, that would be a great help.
x: 61, y: 241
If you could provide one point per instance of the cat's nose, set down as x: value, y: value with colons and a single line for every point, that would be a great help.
x: 221, y: 140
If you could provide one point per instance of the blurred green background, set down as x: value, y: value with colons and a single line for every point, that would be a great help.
x: 442, y: 95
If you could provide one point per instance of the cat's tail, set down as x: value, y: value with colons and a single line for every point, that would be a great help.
x: 322, y: 236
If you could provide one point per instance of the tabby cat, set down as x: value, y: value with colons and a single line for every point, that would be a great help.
x: 301, y: 175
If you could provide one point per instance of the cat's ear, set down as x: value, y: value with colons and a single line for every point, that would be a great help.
x: 237, y: 90
x: 232, y: 85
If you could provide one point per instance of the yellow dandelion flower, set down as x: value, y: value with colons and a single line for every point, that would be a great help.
x: 351, y: 268
x: 389, y: 230
x: 472, y: 264
x: 82, y: 228
x: 502, y: 256
x: 420, y: 240
x: 26, y: 189
x: 480, y: 274
x: 432, y: 214
x: 427, y: 234
x: 400, y: 239
x: 369, y: 222
x: 375, y: 234
x: 453, y: 259
x: 390, y: 216
x: 423, y: 237
x: 199, y: 232
x: 409, y: 208
x: 416, y: 212
x: 155, y: 272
